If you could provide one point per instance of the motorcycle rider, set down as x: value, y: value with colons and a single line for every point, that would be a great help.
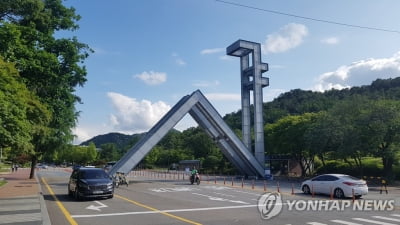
x: 194, y: 172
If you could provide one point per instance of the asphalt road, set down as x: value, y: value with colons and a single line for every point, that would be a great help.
x: 151, y: 200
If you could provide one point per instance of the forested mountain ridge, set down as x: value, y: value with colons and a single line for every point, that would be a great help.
x: 120, y: 140
x: 297, y: 101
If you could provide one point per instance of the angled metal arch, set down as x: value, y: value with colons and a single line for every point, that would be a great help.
x: 209, y: 119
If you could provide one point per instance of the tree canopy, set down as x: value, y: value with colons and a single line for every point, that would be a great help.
x: 50, y: 67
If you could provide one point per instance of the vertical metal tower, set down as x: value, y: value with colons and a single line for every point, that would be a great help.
x: 251, y: 69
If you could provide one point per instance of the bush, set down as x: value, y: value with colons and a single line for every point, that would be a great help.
x: 372, y: 167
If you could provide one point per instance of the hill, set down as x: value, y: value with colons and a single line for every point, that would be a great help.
x: 120, y: 140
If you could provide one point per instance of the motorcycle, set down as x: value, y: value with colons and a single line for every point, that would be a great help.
x: 195, y: 178
x: 120, y: 179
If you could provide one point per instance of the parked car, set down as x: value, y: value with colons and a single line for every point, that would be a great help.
x: 90, y: 182
x: 42, y: 166
x: 339, y: 185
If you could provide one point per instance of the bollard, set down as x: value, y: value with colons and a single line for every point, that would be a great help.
x: 232, y: 181
x: 252, y: 185
x: 292, y: 189
x: 215, y: 179
x: 242, y: 182
x: 208, y: 179
x: 383, y: 185
x: 224, y: 181
x: 331, y: 195
x: 277, y: 187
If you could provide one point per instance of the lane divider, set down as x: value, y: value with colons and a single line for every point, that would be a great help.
x: 60, y: 205
x: 157, y: 210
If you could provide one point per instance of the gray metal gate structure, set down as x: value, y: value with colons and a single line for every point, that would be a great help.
x: 210, y: 120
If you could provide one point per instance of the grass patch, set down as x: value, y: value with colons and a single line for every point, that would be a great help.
x: 4, y: 167
x: 2, y: 182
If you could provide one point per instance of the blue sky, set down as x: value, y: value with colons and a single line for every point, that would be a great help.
x: 150, y: 53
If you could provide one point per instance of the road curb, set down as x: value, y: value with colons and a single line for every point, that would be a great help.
x: 43, y: 208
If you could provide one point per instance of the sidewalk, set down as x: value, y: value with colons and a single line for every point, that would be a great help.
x: 21, y: 200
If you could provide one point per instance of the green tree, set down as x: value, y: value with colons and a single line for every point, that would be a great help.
x: 287, y: 136
x: 51, y: 67
x: 109, y: 152
x: 91, y: 153
x: 14, y: 123
x: 381, y: 131
x: 324, y: 136
x: 23, y: 117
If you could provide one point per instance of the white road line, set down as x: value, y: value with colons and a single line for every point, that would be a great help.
x: 345, y: 222
x: 387, y: 218
x: 165, y: 211
x: 220, y: 199
x: 397, y: 215
x: 316, y: 223
x: 245, y: 192
x: 373, y: 221
x: 224, y: 194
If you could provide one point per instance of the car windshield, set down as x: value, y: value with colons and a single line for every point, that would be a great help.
x: 93, y: 174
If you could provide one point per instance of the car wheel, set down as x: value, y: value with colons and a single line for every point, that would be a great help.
x: 111, y: 196
x: 76, y: 194
x: 306, y: 189
x: 69, y: 192
x: 339, y: 193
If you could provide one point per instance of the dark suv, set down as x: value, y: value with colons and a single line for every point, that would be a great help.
x: 90, y: 182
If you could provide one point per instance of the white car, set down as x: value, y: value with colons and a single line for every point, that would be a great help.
x: 339, y: 185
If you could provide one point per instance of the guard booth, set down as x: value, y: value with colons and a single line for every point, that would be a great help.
x: 187, y: 165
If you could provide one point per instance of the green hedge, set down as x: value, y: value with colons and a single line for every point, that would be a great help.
x: 372, y: 167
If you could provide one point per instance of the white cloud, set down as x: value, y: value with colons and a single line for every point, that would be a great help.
x: 288, y: 37
x: 152, y: 78
x: 180, y: 62
x: 358, y: 73
x: 81, y: 135
x: 86, y: 132
x: 223, y: 97
x: 330, y: 40
x: 135, y: 116
x: 202, y: 83
x: 211, y: 51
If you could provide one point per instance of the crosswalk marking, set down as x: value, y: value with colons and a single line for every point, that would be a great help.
x: 20, y: 210
x: 387, y: 218
x: 20, y: 218
x: 373, y: 221
x: 315, y: 223
x: 398, y: 215
x: 345, y: 222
